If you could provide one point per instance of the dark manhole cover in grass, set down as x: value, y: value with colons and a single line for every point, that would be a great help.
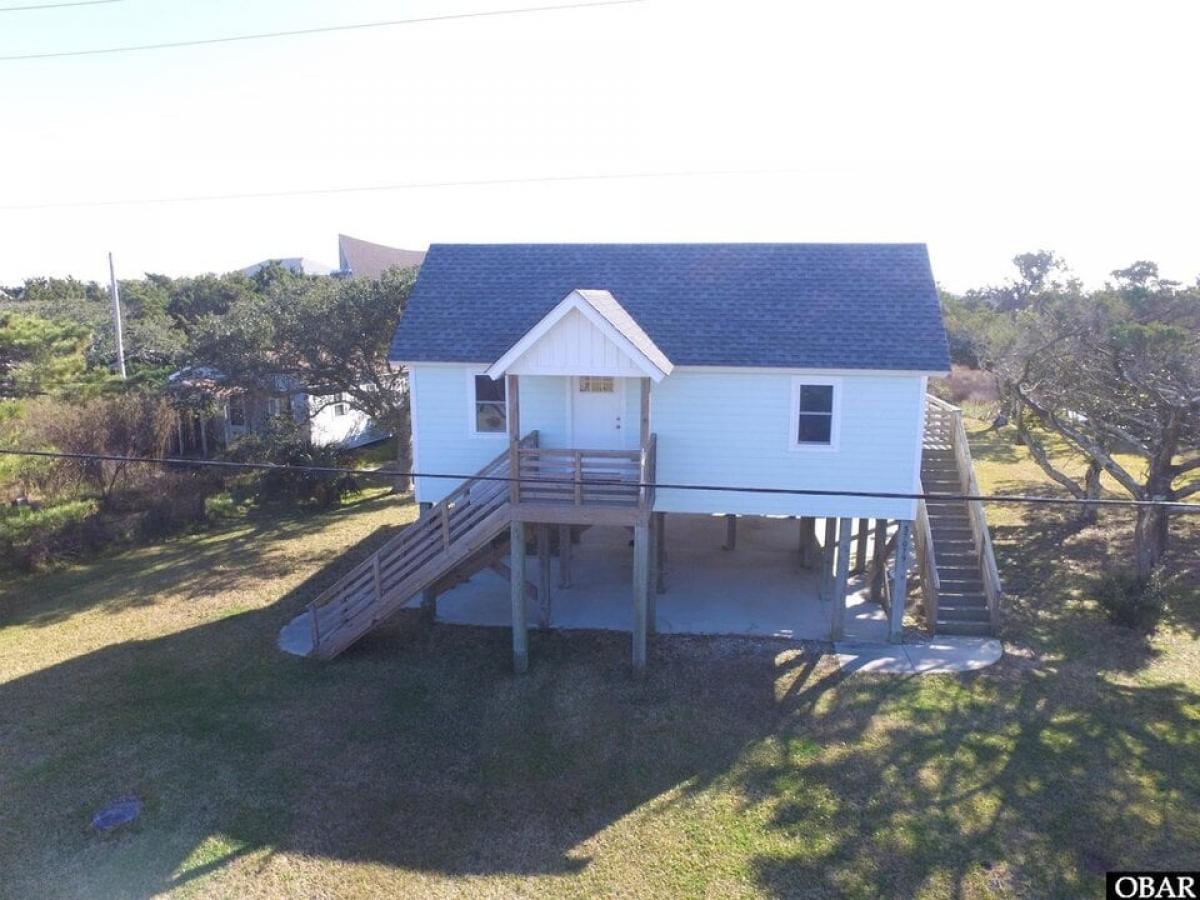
x: 120, y: 812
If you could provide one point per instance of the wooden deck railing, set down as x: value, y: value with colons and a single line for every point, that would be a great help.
x: 581, y: 477
x: 945, y: 429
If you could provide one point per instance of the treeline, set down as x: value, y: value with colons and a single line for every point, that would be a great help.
x: 59, y: 390
x: 1112, y: 373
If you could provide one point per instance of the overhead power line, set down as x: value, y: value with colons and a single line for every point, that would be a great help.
x: 400, y: 186
x: 664, y: 486
x: 320, y: 29
x: 4, y: 9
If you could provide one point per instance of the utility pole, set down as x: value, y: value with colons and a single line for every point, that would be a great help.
x: 117, y: 329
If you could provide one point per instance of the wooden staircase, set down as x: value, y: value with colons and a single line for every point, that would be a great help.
x: 464, y: 533
x: 960, y: 582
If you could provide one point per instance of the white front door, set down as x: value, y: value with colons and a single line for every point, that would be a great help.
x: 598, y: 410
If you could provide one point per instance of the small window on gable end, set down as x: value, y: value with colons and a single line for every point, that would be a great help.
x: 814, y: 414
x: 491, y: 408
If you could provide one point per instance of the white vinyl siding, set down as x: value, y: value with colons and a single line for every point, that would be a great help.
x: 720, y: 428
x: 736, y: 429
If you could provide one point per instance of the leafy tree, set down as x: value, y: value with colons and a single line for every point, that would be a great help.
x: 326, y: 333
x: 37, y: 355
x: 1114, y: 370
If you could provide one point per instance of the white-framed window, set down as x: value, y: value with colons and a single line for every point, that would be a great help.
x: 816, y: 413
x: 489, y: 406
x: 341, y: 405
x: 596, y: 384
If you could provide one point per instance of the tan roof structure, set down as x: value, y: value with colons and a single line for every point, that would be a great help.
x: 363, y: 259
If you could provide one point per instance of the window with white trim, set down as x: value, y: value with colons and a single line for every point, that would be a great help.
x: 490, y: 406
x: 815, y: 403
x: 341, y: 405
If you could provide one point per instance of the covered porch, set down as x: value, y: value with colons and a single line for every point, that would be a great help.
x: 762, y: 586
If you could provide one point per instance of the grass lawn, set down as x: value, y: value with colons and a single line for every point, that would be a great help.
x: 417, y: 765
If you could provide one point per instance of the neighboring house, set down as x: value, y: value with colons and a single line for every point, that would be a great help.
x: 356, y: 259
x: 297, y: 265
x: 363, y: 259
x: 212, y: 413
x: 606, y: 378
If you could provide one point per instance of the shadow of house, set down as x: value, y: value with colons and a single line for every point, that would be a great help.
x: 417, y: 749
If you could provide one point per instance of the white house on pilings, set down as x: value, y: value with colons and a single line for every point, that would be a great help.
x: 593, y: 386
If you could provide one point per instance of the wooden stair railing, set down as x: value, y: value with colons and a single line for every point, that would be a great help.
x: 452, y: 532
x: 945, y: 430
x: 927, y: 566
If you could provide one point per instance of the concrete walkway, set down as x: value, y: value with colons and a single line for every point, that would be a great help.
x: 941, y: 655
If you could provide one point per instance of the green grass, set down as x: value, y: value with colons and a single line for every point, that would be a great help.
x: 417, y: 765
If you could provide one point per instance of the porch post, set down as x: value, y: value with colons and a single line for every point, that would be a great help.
x: 730, y: 533
x: 564, y: 555
x: 651, y: 576
x: 879, y: 560
x: 512, y: 399
x: 860, y: 549
x: 517, y: 575
x: 826, y: 588
x: 837, y: 619
x: 543, y: 548
x: 641, y: 583
x: 645, y: 420
x: 429, y: 595
x: 660, y: 552
x: 899, y: 583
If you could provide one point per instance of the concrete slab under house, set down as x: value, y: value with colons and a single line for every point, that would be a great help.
x: 698, y: 438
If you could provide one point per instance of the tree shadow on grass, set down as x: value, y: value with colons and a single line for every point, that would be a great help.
x: 419, y: 750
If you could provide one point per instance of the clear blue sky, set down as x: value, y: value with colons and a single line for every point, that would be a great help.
x: 983, y: 132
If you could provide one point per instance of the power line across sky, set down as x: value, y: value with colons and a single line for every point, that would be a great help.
x: 297, y: 32
x: 4, y: 9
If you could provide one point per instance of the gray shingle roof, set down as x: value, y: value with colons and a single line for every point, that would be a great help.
x: 839, y: 306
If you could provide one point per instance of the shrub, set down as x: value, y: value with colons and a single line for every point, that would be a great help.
x: 31, y: 539
x: 130, y: 424
x: 174, y: 501
x: 1130, y: 602
x: 282, y: 443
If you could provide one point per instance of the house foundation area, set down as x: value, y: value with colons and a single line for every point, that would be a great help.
x: 759, y: 587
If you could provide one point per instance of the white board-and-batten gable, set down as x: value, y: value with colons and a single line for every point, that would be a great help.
x: 587, y: 333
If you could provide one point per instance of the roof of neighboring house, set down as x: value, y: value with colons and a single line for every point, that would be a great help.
x: 300, y: 265
x: 367, y: 260
x: 840, y: 306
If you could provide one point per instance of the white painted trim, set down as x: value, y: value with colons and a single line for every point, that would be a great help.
x: 570, y: 429
x: 777, y: 370
x: 573, y: 301
x: 921, y: 404
x: 472, y: 371
x: 481, y: 364
x: 413, y: 418
x: 835, y: 423
x: 732, y: 370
